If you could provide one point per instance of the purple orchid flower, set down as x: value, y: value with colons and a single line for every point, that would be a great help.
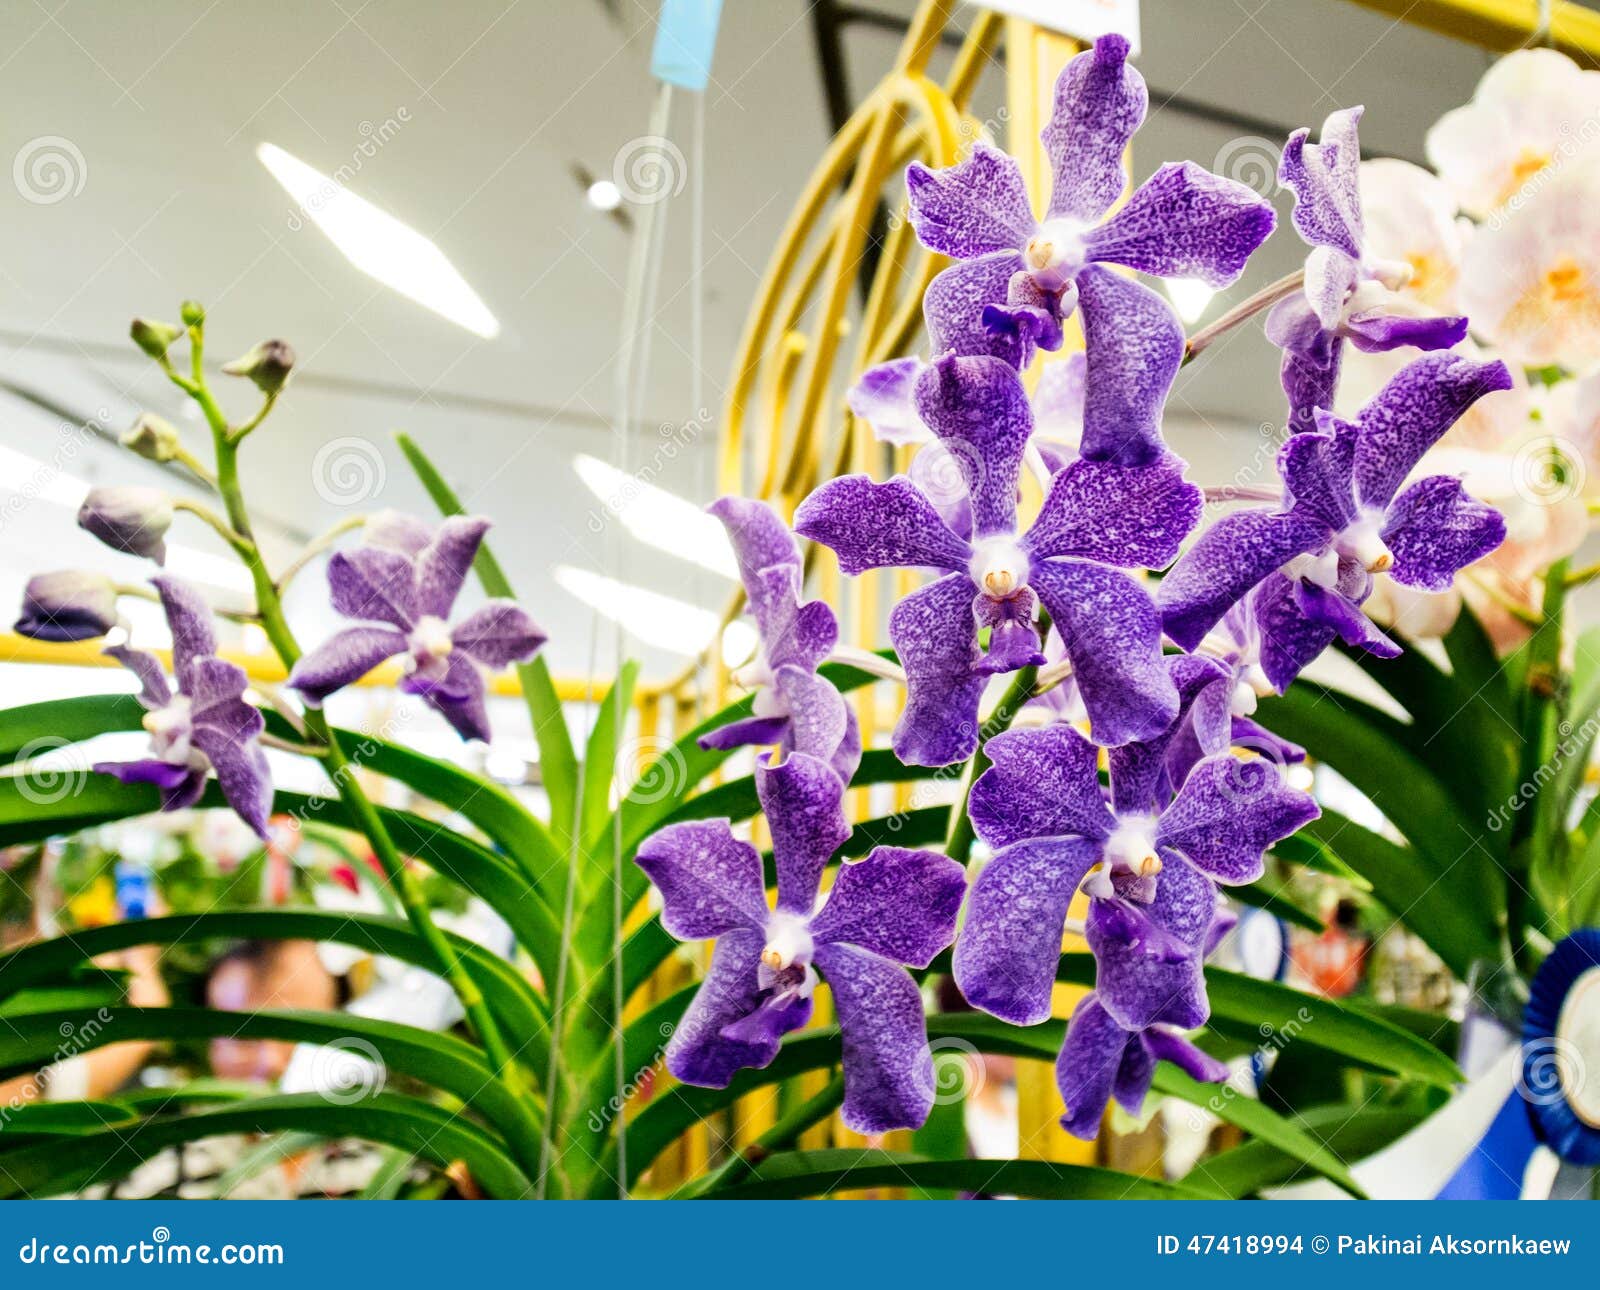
x: 1100, y: 1060
x: 1348, y: 518
x: 794, y: 707
x: 896, y: 907
x: 885, y: 398
x: 204, y: 724
x: 1019, y: 277
x: 1098, y: 518
x: 412, y: 587
x: 1349, y: 294
x: 68, y: 605
x: 1148, y: 864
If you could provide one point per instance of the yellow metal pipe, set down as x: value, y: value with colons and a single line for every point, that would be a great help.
x: 1501, y: 25
x: 265, y: 668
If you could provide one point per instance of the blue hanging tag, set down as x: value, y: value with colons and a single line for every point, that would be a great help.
x: 686, y: 35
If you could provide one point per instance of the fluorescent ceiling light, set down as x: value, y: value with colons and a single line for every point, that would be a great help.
x: 661, y: 519
x: 1190, y: 297
x: 380, y: 245
x: 658, y: 620
x: 604, y: 195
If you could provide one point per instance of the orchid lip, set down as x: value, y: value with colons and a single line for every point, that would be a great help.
x: 1131, y: 848
x: 430, y: 639
x: 1363, y: 543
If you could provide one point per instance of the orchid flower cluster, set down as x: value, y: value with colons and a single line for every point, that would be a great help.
x: 1248, y: 604
x: 399, y: 584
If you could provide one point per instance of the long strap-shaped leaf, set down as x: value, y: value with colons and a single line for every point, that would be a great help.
x: 445, y: 1062
x: 791, y: 1174
x: 1352, y: 1131
x: 59, y: 1166
x: 516, y: 1004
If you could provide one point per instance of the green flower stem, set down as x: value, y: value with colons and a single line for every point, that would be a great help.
x: 1244, y: 311
x: 317, y: 547
x: 958, y: 842
x: 241, y: 544
x: 340, y: 771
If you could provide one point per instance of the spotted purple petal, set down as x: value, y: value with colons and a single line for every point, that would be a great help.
x: 1330, y: 608
x: 1330, y: 278
x: 899, y: 904
x: 1005, y: 958
x: 1134, y: 346
x: 699, y: 1052
x: 1041, y: 783
x: 888, y: 1070
x: 1134, y: 516
x: 154, y: 692
x: 1374, y: 333
x: 936, y: 639
x: 1230, y: 558
x: 818, y: 718
x: 343, y: 659
x: 459, y: 697
x: 803, y: 802
x: 954, y: 304
x: 1112, y: 634
x: 1318, y: 472
x: 973, y: 208
x: 374, y: 584
x: 883, y: 399
x: 978, y: 408
x: 710, y: 882
x: 498, y: 635
x: 1411, y: 414
x: 1185, y: 222
x: 1435, y: 529
x: 1100, y: 102
x: 189, y: 619
x: 1228, y: 812
x: 445, y: 562
x: 1325, y: 178
x: 1168, y: 1046
x: 876, y: 526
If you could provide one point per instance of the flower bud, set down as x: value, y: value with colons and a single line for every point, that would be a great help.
x: 153, y: 438
x: 130, y: 519
x: 70, y: 605
x: 268, y: 365
x: 192, y: 312
x: 154, y: 337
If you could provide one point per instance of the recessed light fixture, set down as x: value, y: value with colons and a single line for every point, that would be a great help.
x: 1190, y: 297
x: 661, y: 621
x: 604, y: 195
x: 379, y: 245
x: 658, y: 518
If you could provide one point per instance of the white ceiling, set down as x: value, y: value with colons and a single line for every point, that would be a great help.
x: 475, y: 115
